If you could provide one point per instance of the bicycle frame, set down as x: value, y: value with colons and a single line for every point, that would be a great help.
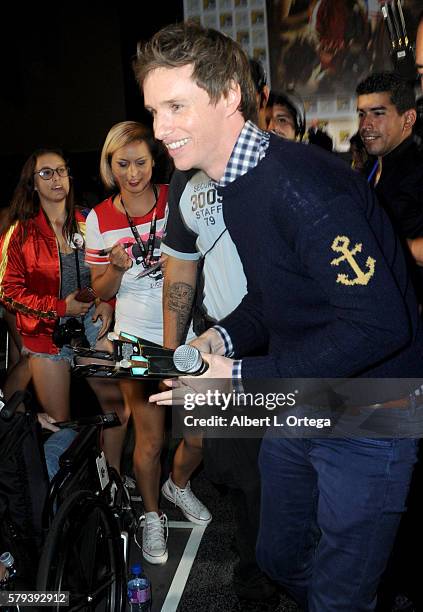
x: 82, y: 463
x: 85, y: 476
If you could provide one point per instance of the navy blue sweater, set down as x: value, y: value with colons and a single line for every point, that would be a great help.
x: 324, y: 312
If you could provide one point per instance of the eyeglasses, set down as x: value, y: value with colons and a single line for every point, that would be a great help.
x: 48, y: 173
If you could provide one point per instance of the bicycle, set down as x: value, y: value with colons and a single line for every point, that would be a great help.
x: 87, y: 519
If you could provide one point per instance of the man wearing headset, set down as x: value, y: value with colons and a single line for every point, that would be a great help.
x: 286, y: 115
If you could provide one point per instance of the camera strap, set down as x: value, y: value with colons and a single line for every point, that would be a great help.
x: 214, y: 243
x: 373, y: 172
x: 64, y: 329
x: 78, y: 275
x: 198, y: 307
x: 147, y: 251
x: 78, y: 271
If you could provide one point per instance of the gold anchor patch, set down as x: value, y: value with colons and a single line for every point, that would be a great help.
x: 341, y: 245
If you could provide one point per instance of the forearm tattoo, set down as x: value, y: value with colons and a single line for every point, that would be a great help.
x: 178, y: 299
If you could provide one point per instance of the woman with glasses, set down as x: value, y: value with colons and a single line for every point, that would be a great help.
x: 42, y: 269
x: 123, y: 250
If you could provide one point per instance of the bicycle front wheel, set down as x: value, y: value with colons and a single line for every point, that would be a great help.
x: 83, y: 554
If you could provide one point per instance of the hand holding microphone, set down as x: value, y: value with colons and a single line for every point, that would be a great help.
x: 188, y: 359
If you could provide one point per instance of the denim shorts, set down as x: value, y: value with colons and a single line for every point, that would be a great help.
x: 66, y: 352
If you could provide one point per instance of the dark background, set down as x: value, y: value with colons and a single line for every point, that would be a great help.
x: 66, y: 78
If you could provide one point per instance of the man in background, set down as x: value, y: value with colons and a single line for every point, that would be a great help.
x: 286, y: 115
x: 386, y: 107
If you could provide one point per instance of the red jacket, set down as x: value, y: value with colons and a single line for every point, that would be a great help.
x: 30, y: 280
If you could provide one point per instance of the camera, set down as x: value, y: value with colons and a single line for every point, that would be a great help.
x: 86, y: 295
x: 72, y: 332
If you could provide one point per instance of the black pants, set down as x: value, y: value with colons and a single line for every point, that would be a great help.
x: 234, y: 463
x: 403, y: 574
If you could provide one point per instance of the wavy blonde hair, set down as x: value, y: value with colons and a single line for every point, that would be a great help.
x: 122, y: 134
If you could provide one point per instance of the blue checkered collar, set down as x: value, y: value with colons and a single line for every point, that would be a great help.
x: 249, y: 149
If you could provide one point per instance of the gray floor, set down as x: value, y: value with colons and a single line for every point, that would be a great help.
x: 208, y: 587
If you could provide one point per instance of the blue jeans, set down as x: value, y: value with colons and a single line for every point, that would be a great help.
x: 330, y: 509
x: 56, y: 444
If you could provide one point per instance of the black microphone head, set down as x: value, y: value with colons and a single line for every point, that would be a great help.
x: 187, y: 358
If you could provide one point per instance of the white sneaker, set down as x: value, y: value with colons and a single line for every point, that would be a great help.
x: 154, y: 537
x: 194, y: 510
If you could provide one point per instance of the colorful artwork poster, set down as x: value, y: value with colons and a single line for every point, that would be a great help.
x: 325, y: 47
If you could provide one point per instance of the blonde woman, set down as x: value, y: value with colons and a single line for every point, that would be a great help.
x: 131, y: 223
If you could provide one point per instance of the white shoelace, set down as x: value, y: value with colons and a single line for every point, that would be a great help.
x: 188, y: 499
x: 156, y: 528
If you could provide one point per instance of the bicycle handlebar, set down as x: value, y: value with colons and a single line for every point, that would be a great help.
x: 10, y: 407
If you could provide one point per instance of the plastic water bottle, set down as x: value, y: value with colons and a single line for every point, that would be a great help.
x: 139, y: 590
x: 9, y: 562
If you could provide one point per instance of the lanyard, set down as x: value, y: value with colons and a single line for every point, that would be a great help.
x: 78, y: 272
x: 147, y: 252
x: 373, y: 171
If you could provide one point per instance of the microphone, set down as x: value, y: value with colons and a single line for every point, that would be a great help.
x: 187, y: 358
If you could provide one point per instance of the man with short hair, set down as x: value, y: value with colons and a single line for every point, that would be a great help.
x: 387, y: 113
x: 286, y: 115
x: 326, y: 310
x: 203, y: 262
x: 386, y: 109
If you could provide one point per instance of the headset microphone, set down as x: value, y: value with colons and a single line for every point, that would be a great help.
x: 187, y: 358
